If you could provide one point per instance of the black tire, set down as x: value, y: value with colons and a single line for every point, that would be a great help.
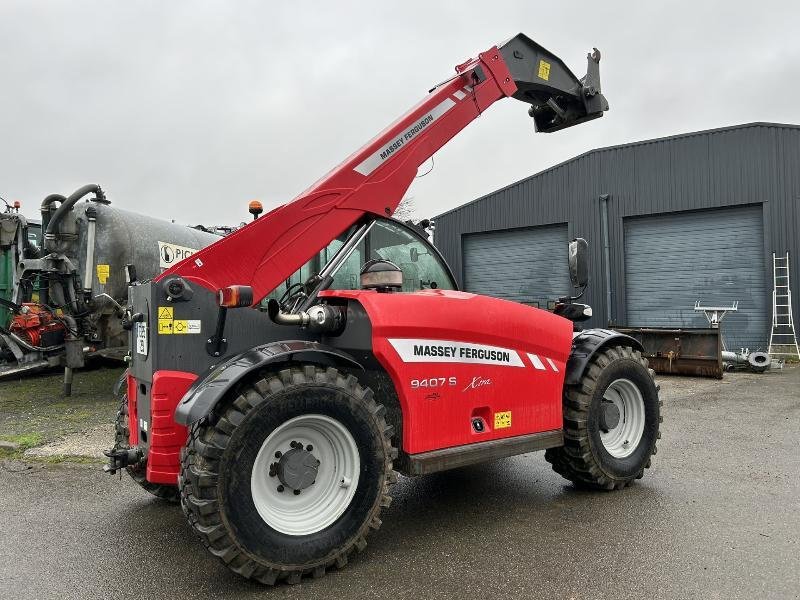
x: 583, y: 459
x: 217, y: 462
x: 137, y: 471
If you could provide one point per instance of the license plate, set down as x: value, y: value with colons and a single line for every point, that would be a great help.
x: 141, y: 339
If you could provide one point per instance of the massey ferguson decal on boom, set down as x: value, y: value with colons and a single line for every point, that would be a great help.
x: 281, y: 430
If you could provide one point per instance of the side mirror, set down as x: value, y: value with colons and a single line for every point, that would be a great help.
x: 579, y: 262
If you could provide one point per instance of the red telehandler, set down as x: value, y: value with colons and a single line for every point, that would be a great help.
x: 280, y: 426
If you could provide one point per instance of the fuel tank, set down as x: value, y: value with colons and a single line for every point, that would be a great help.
x: 61, y: 294
x: 123, y: 237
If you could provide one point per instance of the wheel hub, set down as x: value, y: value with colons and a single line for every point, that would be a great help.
x: 621, y: 418
x: 297, y: 468
x: 609, y: 416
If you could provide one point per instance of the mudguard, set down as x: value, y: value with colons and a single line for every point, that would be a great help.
x: 585, y: 345
x: 204, y: 394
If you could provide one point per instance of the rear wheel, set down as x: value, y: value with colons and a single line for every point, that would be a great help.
x: 289, y: 477
x: 138, y: 471
x: 611, y: 422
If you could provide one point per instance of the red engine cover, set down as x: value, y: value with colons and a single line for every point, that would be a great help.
x: 456, y: 357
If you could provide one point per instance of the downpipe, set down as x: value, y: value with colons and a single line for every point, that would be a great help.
x: 606, y: 253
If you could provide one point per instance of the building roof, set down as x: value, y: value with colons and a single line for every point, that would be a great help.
x: 620, y: 146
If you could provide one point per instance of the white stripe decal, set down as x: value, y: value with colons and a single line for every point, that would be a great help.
x: 369, y: 164
x: 552, y: 364
x: 459, y: 95
x: 445, y: 351
x: 537, y: 362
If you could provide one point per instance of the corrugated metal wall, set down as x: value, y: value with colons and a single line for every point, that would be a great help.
x: 757, y: 163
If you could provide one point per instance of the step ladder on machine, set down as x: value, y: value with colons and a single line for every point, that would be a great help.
x: 782, y: 340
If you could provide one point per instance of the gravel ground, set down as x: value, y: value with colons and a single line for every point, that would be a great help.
x: 34, y: 411
x: 718, y: 516
x: 88, y: 443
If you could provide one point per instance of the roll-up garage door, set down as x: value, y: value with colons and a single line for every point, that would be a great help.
x: 716, y: 257
x: 524, y: 265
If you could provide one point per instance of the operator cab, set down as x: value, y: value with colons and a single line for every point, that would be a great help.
x: 406, y: 246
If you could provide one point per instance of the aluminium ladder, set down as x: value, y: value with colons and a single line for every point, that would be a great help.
x: 782, y: 339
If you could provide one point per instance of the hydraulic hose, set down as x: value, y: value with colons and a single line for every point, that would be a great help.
x: 44, y: 291
x: 67, y: 205
x: 45, y: 208
x: 28, y: 346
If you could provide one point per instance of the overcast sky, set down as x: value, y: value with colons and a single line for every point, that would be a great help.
x: 188, y: 110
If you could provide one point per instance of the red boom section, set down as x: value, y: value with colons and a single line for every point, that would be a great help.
x: 455, y: 357
x: 372, y: 180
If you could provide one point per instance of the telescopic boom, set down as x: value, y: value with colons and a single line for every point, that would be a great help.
x: 374, y: 179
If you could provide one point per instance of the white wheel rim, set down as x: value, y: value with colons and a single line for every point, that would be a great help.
x: 622, y: 440
x: 320, y: 504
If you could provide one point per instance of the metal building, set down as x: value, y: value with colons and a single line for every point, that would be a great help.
x: 669, y: 222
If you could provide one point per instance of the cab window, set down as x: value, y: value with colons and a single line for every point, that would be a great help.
x: 421, y: 265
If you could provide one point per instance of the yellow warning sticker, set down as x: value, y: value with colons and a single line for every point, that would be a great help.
x: 102, y: 273
x: 168, y: 325
x: 184, y: 326
x: 544, y: 70
x: 502, y: 420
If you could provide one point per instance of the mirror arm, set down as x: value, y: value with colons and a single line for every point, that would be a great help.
x: 571, y: 299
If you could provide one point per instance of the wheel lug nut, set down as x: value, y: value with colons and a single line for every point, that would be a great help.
x: 293, y: 444
x: 280, y: 488
x: 278, y: 454
x: 297, y: 492
x: 309, y: 447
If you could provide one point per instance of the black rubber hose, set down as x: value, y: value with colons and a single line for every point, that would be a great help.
x: 45, y: 208
x: 67, y: 205
x: 28, y: 346
x: 12, y: 306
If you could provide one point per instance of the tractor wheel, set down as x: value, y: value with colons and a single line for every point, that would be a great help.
x: 137, y: 472
x: 611, y: 422
x: 288, y: 478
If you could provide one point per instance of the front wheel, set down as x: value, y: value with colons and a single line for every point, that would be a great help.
x: 611, y: 422
x: 289, y: 477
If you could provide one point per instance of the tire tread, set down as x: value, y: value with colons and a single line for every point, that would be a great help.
x: 200, y: 460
